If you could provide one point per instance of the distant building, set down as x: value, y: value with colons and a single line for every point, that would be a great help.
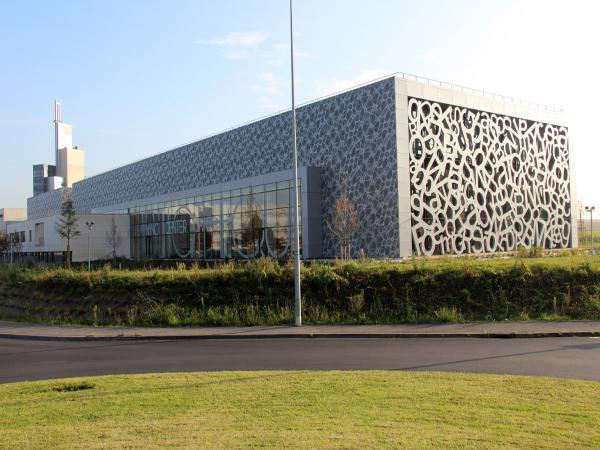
x: 69, y: 161
x: 37, y: 241
x: 9, y: 215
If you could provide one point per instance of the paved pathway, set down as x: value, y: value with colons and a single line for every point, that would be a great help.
x: 22, y: 359
x: 496, y: 329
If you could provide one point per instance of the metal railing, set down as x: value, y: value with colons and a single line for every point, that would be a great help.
x: 480, y: 92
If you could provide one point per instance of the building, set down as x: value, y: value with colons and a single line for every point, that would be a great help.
x: 8, y: 215
x: 37, y: 240
x: 69, y: 165
x: 430, y: 169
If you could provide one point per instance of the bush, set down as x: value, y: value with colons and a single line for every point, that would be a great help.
x: 262, y: 292
x: 446, y: 314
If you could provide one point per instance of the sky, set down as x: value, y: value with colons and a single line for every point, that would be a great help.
x: 136, y: 78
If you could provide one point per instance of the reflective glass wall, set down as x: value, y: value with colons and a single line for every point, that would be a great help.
x: 241, y: 223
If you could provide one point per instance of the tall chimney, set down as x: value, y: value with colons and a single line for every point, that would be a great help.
x: 57, y: 117
x: 57, y: 120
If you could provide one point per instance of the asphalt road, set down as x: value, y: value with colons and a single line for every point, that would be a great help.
x: 560, y: 357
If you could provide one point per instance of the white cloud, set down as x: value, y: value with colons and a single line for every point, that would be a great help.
x: 333, y: 84
x: 246, y: 44
x: 246, y: 39
x: 238, y: 44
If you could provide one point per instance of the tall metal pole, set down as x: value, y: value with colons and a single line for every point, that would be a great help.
x: 296, y: 237
x: 591, y: 211
x: 90, y: 224
x: 592, y: 229
x: 89, y: 250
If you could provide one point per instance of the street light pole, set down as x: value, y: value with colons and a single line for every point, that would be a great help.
x: 296, y: 237
x: 591, y: 209
x: 89, y: 224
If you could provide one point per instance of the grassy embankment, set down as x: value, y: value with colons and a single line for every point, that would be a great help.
x: 443, y: 289
x: 301, y: 410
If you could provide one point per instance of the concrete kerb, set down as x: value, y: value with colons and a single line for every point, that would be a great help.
x: 134, y: 337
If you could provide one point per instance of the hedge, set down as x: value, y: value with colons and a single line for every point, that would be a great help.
x: 262, y: 293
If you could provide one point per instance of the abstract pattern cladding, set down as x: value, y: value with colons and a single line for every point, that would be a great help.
x: 483, y: 182
x: 349, y: 136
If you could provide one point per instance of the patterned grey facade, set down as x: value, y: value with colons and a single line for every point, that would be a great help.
x: 46, y: 204
x: 483, y: 182
x: 351, y: 136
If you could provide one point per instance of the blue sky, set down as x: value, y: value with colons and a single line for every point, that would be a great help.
x: 139, y: 77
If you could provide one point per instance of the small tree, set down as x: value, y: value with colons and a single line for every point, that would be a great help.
x: 3, y: 242
x: 344, y: 221
x: 113, y: 239
x: 251, y: 226
x: 67, y: 227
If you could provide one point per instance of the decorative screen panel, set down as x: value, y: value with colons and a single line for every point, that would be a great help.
x: 483, y: 182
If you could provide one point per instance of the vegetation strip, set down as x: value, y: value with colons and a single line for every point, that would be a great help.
x: 355, y: 292
x: 297, y: 409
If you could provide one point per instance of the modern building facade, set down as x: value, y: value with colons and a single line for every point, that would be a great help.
x: 429, y: 168
x: 37, y: 240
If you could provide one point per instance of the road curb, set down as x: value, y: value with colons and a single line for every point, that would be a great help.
x: 305, y: 336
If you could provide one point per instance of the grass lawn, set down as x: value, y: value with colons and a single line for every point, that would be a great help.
x: 301, y: 410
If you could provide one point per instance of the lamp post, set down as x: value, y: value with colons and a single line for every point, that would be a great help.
x: 12, y: 247
x: 591, y: 209
x: 296, y: 237
x: 90, y: 225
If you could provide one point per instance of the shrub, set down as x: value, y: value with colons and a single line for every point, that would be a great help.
x: 448, y: 314
x: 262, y: 292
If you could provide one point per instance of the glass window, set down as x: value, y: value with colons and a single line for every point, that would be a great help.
x: 271, y: 187
x: 259, y: 201
x: 216, y: 207
x: 271, y: 200
x: 227, y: 222
x: 216, y: 245
x: 206, y: 209
x: 226, y: 245
x: 271, y: 218
x: 235, y: 205
x: 283, y: 185
x: 226, y: 205
x: 283, y: 240
x: 283, y: 198
x: 247, y: 203
x: 282, y: 217
x: 237, y: 221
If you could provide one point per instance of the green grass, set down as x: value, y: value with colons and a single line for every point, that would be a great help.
x: 302, y: 410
